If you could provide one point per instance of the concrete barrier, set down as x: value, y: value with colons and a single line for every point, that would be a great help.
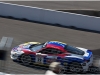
x: 89, y: 12
x: 2, y: 73
x: 50, y: 16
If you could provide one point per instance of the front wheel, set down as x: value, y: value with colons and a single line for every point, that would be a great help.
x: 26, y: 59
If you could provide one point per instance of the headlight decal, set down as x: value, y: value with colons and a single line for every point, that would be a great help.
x: 15, y: 49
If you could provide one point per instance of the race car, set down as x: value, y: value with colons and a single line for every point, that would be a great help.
x: 75, y: 59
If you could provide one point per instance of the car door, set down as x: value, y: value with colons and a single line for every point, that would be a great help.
x: 41, y: 56
x: 39, y: 59
x: 52, y: 55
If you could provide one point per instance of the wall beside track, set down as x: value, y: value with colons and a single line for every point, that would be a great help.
x: 50, y: 16
x: 2, y: 73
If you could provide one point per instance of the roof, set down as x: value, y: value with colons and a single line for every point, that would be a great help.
x: 57, y: 43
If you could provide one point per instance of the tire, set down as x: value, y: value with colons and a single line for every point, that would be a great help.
x: 62, y: 70
x: 25, y: 59
x: 75, y: 67
x: 14, y: 60
x: 94, y: 69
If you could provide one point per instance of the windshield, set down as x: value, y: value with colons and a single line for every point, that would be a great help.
x: 37, y: 47
x: 74, y: 50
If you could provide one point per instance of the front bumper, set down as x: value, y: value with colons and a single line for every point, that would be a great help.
x: 15, y: 55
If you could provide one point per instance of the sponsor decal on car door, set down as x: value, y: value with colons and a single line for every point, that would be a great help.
x: 39, y: 59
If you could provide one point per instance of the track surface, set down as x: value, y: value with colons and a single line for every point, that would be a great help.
x: 61, y: 4
x: 23, y: 31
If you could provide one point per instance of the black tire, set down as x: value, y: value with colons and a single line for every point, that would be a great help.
x: 14, y: 60
x: 75, y: 67
x: 26, y: 59
x: 62, y: 71
x: 94, y: 69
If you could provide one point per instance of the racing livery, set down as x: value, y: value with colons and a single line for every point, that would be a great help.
x: 73, y: 58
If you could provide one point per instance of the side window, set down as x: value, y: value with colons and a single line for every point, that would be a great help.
x: 56, y: 51
x: 51, y: 51
x: 44, y: 51
x: 59, y: 52
x: 70, y: 49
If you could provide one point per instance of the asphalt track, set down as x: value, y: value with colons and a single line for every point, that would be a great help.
x: 23, y: 31
x: 94, y: 5
x: 26, y: 31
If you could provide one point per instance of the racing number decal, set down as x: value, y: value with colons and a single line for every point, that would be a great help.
x: 39, y: 59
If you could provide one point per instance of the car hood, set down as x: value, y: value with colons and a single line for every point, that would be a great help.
x: 75, y: 56
x: 83, y: 49
x: 86, y: 54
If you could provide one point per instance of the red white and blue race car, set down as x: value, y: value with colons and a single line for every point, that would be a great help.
x: 72, y: 58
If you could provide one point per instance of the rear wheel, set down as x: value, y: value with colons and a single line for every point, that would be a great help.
x: 94, y: 69
x: 26, y: 59
x: 75, y: 67
x: 62, y: 71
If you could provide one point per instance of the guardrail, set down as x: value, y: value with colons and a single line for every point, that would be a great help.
x: 50, y: 16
